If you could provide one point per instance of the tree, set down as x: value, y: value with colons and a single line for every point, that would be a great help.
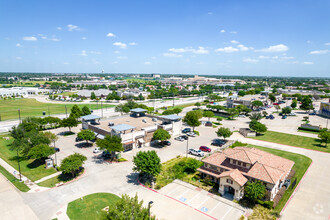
x: 306, y: 104
x: 208, y: 114
x: 192, y: 119
x: 87, y: 135
x: 272, y: 97
x: 122, y: 108
x: 294, y: 103
x: 72, y: 163
x: 128, y: 208
x: 93, y: 96
x: 177, y: 110
x: 241, y: 93
x: 111, y: 144
x: 161, y: 135
x: 41, y: 152
x: 257, y: 126
x: 85, y: 110
x: 257, y: 103
x: 243, y: 109
x: 51, y: 136
x: 286, y: 110
x: 265, y: 113
x: 147, y: 163
x: 278, y: 107
x: 76, y: 112
x: 232, y: 112
x: 254, y: 190
x: 69, y: 122
x: 256, y: 116
x: 197, y: 104
x: 224, y: 132
x: 324, y: 136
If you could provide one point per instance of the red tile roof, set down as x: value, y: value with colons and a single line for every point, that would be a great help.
x: 236, y: 175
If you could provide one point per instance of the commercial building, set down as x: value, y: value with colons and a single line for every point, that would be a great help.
x: 22, y: 91
x: 325, y: 109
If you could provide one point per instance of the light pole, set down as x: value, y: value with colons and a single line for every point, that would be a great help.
x: 19, y: 116
x: 55, y: 153
x: 66, y: 112
x: 187, y: 146
x: 149, y: 205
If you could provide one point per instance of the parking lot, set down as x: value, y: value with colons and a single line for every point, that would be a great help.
x: 210, y: 204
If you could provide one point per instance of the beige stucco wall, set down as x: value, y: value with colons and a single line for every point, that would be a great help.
x: 238, y: 189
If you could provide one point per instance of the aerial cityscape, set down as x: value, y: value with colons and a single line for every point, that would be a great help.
x: 164, y: 110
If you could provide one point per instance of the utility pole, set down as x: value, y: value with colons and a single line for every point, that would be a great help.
x: 55, y: 153
x: 66, y: 112
x: 102, y: 108
x: 187, y: 146
x: 19, y: 116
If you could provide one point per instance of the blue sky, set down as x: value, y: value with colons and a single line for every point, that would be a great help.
x: 272, y: 38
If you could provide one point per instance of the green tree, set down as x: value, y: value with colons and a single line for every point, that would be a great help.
x: 122, y: 108
x: 87, y: 135
x: 177, y: 110
x: 161, y: 135
x: 272, y: 97
x: 197, y: 104
x: 286, y: 110
x: 72, y: 163
x: 75, y: 111
x: 241, y: 93
x: 51, y: 136
x: 306, y: 104
x: 324, y: 136
x: 243, y: 109
x: 85, y: 110
x: 257, y: 126
x: 128, y: 208
x: 69, y: 122
x: 264, y: 113
x: 224, y: 132
x: 192, y: 119
x: 232, y: 112
x: 257, y: 103
x: 208, y: 114
x: 147, y: 164
x: 294, y: 103
x: 278, y: 107
x: 110, y: 143
x: 93, y: 96
x: 41, y: 152
x: 256, y: 116
x: 254, y: 191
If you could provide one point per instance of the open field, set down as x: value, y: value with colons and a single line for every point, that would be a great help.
x: 301, y: 165
x: 27, y: 83
x: 90, y: 206
x: 293, y: 140
x: 31, y: 107
x: 29, y: 168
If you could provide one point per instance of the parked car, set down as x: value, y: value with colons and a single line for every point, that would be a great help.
x: 281, y: 102
x: 267, y: 117
x: 280, y: 114
x: 292, y: 114
x: 218, y: 142
x: 154, y: 119
x: 179, y: 138
x: 191, y: 134
x: 313, y: 113
x: 106, y: 154
x: 166, y: 143
x: 185, y: 137
x: 57, y: 149
x: 287, y: 183
x: 242, y: 116
x: 186, y: 130
x: 78, y: 139
x: 204, y: 148
x: 275, y: 103
x: 196, y: 152
x: 96, y: 150
x: 271, y: 117
x: 208, y: 124
x: 284, y: 117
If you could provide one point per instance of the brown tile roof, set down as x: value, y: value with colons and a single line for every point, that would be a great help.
x: 265, y: 166
x: 236, y: 175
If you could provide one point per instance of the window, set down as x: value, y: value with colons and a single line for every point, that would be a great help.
x: 244, y: 164
x: 229, y: 181
x: 239, y: 163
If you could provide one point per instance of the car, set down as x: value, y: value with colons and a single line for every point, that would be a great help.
x: 186, y: 130
x: 271, y: 117
x: 284, y: 117
x: 106, y: 154
x: 185, y: 137
x: 281, y: 102
x: 154, y: 119
x: 179, y: 138
x: 280, y: 114
x: 57, y: 149
x: 242, y: 116
x: 78, y: 139
x: 313, y: 113
x: 208, y: 124
x: 191, y: 134
x: 275, y: 103
x: 267, y: 117
x: 166, y: 143
x: 96, y: 150
x: 196, y: 152
x: 292, y: 114
x: 204, y: 148
x: 218, y: 142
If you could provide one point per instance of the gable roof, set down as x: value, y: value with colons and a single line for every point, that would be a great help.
x: 236, y: 175
x: 244, y: 156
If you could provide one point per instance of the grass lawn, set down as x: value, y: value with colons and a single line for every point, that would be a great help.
x: 66, y: 93
x: 29, y: 168
x: 31, y: 107
x: 301, y: 165
x: 57, y: 179
x: 90, y: 206
x: 293, y: 140
x: 19, y: 185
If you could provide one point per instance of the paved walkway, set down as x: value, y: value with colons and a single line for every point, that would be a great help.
x: 48, y: 177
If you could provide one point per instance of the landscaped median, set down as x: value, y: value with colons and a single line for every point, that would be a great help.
x: 293, y: 140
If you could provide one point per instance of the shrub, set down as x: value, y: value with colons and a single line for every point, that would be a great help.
x: 197, y: 132
x: 238, y: 144
x: 266, y: 204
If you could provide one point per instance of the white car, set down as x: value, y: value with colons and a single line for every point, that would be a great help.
x: 292, y: 114
x: 191, y: 134
x: 96, y: 150
x: 198, y: 153
x: 179, y: 138
x: 242, y: 116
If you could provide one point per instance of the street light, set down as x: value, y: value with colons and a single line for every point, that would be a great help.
x: 187, y: 146
x: 149, y: 205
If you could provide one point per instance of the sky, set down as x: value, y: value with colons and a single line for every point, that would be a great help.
x: 220, y: 37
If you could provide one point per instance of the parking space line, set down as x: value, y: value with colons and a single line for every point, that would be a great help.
x: 215, y: 207
x: 203, y: 202
x: 227, y: 213
x: 193, y: 197
x: 183, y: 193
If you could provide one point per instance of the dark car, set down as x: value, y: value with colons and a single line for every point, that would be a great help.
x: 284, y: 117
x: 184, y: 137
x: 313, y: 113
x: 271, y: 117
x: 267, y: 117
x: 57, y: 149
x: 106, y: 154
x: 186, y: 130
x: 166, y: 143
x: 280, y: 114
x: 204, y: 148
x: 218, y: 142
x: 208, y: 124
x: 287, y: 183
x: 78, y: 139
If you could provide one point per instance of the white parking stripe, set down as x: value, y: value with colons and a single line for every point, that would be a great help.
x: 215, y: 207
x: 193, y: 197
x: 203, y: 202
x: 183, y: 193
x: 227, y: 212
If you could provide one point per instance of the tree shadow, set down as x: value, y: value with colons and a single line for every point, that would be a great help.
x: 65, y: 133
x: 133, y: 178
x: 84, y: 145
x: 319, y: 144
x: 35, y: 164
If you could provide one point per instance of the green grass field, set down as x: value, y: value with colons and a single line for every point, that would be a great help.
x: 57, y: 179
x: 29, y: 168
x: 293, y: 140
x: 33, y: 108
x: 90, y: 206
x: 301, y: 165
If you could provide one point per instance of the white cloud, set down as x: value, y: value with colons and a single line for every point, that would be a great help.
x: 178, y: 50
x: 242, y: 47
x: 65, y: 63
x: 309, y: 42
x: 115, y: 62
x: 84, y: 38
x: 122, y: 57
x: 55, y: 39
x: 200, y: 50
x: 19, y: 45
x: 116, y: 51
x: 227, y: 49
x: 111, y: 35
x: 59, y: 28
x: 95, y: 52
x: 83, y: 53
x: 319, y: 52
x: 222, y: 31
x: 327, y: 44
x: 275, y: 48
x: 30, y: 38
x: 120, y: 44
x: 308, y: 63
x: 210, y: 13
x: 234, y: 42
x: 250, y: 60
x: 172, y: 55
x: 263, y: 57
x: 132, y: 43
x: 287, y: 58
x: 147, y: 63
x: 18, y: 58
x: 72, y: 27
x: 233, y: 32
